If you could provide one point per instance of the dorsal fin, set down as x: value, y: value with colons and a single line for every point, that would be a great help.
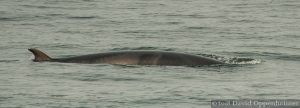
x: 39, y: 55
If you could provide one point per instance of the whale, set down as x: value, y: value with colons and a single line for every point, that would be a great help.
x: 139, y: 57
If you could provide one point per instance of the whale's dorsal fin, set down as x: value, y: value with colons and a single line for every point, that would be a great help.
x: 39, y: 55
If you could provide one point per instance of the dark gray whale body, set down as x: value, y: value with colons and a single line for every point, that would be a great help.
x: 131, y: 58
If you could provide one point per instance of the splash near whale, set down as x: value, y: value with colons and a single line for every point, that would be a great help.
x: 164, y: 58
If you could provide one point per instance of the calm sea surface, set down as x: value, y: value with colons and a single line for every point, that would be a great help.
x: 259, y: 39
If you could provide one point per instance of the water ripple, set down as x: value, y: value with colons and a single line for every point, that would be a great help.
x: 233, y: 60
x: 8, y: 61
x: 49, y: 7
x: 5, y: 98
x: 82, y: 17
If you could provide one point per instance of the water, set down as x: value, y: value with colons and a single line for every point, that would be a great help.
x: 258, y: 38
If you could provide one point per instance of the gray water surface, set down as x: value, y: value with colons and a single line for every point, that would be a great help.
x: 258, y: 38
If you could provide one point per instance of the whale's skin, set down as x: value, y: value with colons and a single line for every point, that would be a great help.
x: 135, y: 58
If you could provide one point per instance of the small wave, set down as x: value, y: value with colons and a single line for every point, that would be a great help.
x: 186, y: 15
x: 66, y: 46
x: 233, y: 60
x: 23, y: 17
x: 47, y: 7
x: 89, y: 0
x: 5, y: 19
x: 31, y: 57
x: 8, y: 61
x: 133, y: 32
x: 36, y: 6
x: 5, y: 98
x: 272, y: 55
x: 174, y: 23
x: 290, y: 5
x: 155, y: 100
x: 192, y: 28
x: 98, y: 78
x: 58, y: 95
x: 273, y: 46
x: 288, y: 57
x: 55, y: 14
x: 123, y: 79
x: 9, y: 18
x: 243, y: 61
x: 82, y: 17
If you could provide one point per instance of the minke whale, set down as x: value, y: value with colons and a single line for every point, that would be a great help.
x: 131, y: 58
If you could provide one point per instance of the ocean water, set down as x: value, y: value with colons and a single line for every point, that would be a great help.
x: 259, y: 39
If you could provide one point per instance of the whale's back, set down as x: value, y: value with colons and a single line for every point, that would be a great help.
x: 131, y: 58
x: 142, y: 58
